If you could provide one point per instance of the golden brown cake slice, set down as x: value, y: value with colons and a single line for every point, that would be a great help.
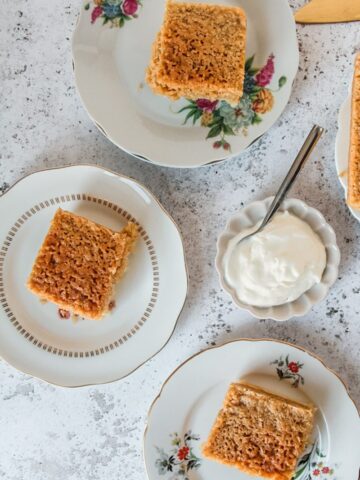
x: 199, y: 52
x: 260, y: 433
x: 79, y: 263
x: 354, y: 151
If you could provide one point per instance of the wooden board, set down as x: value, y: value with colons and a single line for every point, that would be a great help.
x: 329, y: 11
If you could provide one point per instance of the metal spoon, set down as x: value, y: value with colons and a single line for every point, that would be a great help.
x: 295, y: 168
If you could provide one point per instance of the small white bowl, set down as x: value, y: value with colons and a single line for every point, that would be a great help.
x: 247, y: 218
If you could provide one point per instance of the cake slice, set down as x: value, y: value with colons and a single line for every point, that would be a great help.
x: 354, y: 150
x: 79, y: 263
x: 199, y: 52
x: 260, y: 433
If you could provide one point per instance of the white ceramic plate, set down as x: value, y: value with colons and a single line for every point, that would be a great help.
x: 148, y: 299
x: 342, y: 148
x: 182, y: 415
x: 110, y: 63
x: 250, y: 216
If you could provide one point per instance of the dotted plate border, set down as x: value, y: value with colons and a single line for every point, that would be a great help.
x: 125, y: 215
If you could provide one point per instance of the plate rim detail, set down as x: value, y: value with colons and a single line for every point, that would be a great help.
x: 120, y: 176
x: 58, y: 201
x: 237, y: 340
x: 151, y: 158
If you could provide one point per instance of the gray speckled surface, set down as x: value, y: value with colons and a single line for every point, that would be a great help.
x: 93, y: 433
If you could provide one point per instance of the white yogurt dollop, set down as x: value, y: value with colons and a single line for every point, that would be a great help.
x: 278, y: 264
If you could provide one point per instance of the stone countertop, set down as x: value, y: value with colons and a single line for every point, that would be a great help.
x: 94, y: 433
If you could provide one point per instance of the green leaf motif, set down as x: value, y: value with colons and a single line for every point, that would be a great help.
x: 299, y: 472
x: 217, y: 120
x: 188, y: 107
x: 257, y: 119
x: 305, y: 459
x: 87, y: 6
x: 196, y: 116
x: 228, y: 130
x: 255, y: 89
x: 189, y: 115
x: 214, y: 131
x: 282, y: 81
x: 319, y: 453
x: 248, y: 63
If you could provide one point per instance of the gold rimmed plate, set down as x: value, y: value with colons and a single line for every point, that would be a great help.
x: 72, y: 352
x: 112, y: 48
x: 182, y: 415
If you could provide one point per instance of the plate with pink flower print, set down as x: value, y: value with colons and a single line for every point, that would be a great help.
x: 112, y: 49
x: 181, y: 416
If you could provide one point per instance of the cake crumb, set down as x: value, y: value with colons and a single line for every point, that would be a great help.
x: 64, y: 314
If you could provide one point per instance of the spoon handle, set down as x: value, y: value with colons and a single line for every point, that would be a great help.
x: 295, y: 168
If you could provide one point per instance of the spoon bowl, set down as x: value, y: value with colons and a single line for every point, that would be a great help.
x: 304, y: 153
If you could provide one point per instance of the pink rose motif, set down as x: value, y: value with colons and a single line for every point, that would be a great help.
x: 129, y: 7
x: 96, y: 13
x: 316, y: 472
x: 265, y: 75
x: 325, y: 470
x: 206, y: 105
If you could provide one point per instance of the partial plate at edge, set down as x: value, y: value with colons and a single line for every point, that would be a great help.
x: 342, y: 149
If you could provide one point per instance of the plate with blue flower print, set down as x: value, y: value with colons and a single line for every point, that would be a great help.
x: 183, y: 413
x: 112, y: 49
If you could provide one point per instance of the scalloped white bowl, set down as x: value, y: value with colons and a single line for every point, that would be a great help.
x: 247, y: 218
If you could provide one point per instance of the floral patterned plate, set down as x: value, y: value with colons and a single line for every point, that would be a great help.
x: 182, y: 415
x: 111, y: 50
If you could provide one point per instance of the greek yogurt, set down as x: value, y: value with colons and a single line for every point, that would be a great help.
x: 278, y: 264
